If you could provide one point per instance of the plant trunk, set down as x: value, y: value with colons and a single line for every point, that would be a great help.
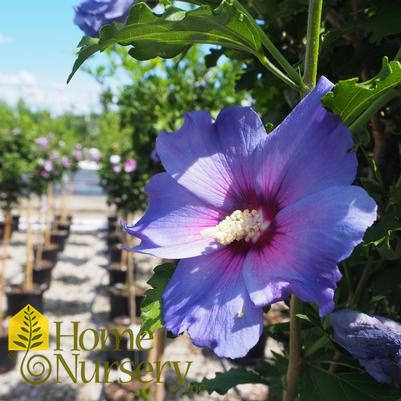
x: 6, y: 240
x: 130, y: 277
x: 28, y: 281
x: 49, y: 211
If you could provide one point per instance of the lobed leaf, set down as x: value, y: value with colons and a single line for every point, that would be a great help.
x: 350, y: 98
x: 222, y: 382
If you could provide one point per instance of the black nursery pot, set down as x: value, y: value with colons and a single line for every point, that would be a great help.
x: 117, y: 274
x: 6, y: 363
x: 17, y: 299
x: 42, y: 273
x: 119, y: 300
x: 112, y: 240
x: 115, y: 253
x: 15, y: 222
x: 59, y: 238
x: 50, y: 253
x: 63, y: 227
x: 118, y: 352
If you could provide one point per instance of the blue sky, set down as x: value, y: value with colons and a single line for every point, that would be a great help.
x: 37, y: 49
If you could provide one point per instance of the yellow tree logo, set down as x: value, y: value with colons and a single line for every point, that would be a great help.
x: 28, y: 330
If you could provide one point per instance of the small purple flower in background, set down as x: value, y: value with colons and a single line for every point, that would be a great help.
x: 65, y: 161
x: 42, y: 142
x: 116, y: 168
x: 130, y: 165
x: 55, y: 155
x: 48, y: 166
x: 91, y: 15
x: 95, y: 154
x: 253, y: 218
x: 374, y: 340
x: 77, y: 153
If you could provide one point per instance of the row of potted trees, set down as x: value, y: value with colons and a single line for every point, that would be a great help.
x: 29, y: 169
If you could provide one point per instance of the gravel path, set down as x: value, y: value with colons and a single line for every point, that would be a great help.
x: 77, y: 294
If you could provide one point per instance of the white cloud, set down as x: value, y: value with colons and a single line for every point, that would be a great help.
x: 5, y: 40
x: 80, y: 96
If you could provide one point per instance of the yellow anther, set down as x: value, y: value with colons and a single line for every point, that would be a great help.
x: 240, y: 314
x: 239, y: 225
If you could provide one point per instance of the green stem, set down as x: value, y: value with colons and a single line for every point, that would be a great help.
x: 292, y: 78
x: 278, y: 73
x: 312, y: 43
x: 377, y: 105
x: 282, y: 61
x: 294, y: 362
x: 310, y: 73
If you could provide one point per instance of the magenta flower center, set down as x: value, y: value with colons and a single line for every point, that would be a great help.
x: 239, y: 225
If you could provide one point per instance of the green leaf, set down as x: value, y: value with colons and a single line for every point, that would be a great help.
x: 20, y: 344
x: 35, y: 330
x: 320, y: 385
x: 36, y: 344
x: 22, y: 337
x: 24, y: 329
x: 171, y: 33
x: 222, y: 382
x: 151, y: 312
x: 350, y: 98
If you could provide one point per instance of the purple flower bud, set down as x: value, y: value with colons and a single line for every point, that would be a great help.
x: 92, y: 15
x: 374, y: 340
x: 130, y: 165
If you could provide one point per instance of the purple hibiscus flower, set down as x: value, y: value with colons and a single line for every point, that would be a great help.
x: 253, y: 218
x: 374, y: 340
x: 130, y: 165
x: 91, y: 15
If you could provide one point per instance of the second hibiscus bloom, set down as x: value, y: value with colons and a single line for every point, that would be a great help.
x: 253, y: 218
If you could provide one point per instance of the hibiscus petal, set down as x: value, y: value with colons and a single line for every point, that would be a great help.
x: 308, y: 152
x: 211, y: 159
x: 173, y: 222
x: 309, y: 238
x: 207, y: 298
